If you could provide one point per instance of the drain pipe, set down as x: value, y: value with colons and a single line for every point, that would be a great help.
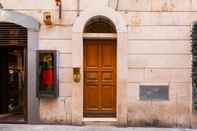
x: 78, y: 7
x: 60, y: 10
x: 117, y: 3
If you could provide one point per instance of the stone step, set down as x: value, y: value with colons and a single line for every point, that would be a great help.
x: 100, y: 122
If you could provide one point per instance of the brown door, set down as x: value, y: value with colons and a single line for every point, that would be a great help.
x: 100, y: 78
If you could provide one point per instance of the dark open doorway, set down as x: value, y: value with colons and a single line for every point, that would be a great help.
x: 13, y: 89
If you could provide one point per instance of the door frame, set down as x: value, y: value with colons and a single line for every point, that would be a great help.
x: 33, y: 27
x: 122, y: 62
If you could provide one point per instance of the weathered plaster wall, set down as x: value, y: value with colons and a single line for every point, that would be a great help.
x: 159, y: 53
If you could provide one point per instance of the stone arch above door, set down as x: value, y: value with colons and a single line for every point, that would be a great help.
x: 19, y: 19
x: 111, y: 14
x: 33, y: 27
x: 122, y: 61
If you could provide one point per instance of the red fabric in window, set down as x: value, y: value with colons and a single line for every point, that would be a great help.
x: 47, y: 77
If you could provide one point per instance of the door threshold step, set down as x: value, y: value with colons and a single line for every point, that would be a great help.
x: 86, y: 119
x: 100, y: 121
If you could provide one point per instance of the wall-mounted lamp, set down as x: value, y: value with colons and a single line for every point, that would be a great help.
x: 59, y: 4
x: 47, y: 18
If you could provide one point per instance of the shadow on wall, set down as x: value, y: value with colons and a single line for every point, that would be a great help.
x: 194, y: 118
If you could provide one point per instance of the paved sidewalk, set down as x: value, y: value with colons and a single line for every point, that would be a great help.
x: 12, y: 127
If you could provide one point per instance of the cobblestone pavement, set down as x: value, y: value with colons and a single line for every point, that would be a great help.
x: 14, y: 127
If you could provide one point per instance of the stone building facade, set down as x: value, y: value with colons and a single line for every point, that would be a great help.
x: 153, y: 50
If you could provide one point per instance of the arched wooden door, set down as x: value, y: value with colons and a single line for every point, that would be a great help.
x: 99, y: 78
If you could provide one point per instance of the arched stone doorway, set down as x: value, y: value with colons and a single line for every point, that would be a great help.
x: 121, y: 60
x: 32, y: 26
x: 13, y: 89
x: 99, y: 68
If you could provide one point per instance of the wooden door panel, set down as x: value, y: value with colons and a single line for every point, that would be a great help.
x: 91, y: 76
x: 107, y: 54
x: 91, y: 62
x: 99, y: 77
x: 92, y: 101
x: 107, y: 76
x: 92, y: 55
x: 107, y: 97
